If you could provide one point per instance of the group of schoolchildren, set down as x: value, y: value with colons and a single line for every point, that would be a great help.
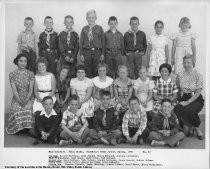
x: 136, y: 119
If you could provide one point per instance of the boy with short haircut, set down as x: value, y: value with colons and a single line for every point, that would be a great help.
x: 92, y: 44
x: 69, y: 46
x: 165, y: 127
x: 104, y: 123
x: 27, y: 43
x: 114, y: 47
x: 48, y: 45
x: 135, y: 46
x: 134, y: 123
x: 74, y: 124
x: 47, y: 123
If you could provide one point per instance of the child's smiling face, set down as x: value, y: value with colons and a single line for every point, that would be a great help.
x: 166, y: 108
x: 143, y: 74
x: 22, y: 62
x: 134, y: 105
x: 48, y: 105
x: 184, y: 27
x: 105, y: 101
x: 64, y: 73
x: 164, y: 73
x: 102, y: 71
x: 91, y: 18
x: 81, y: 74
x: 123, y: 73
x: 74, y: 104
x: 48, y: 23
x: 68, y: 23
x: 159, y: 28
x: 42, y: 68
x: 28, y: 24
x: 134, y: 25
x: 113, y: 25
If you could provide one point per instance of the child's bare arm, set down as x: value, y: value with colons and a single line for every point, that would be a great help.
x: 166, y: 53
x: 129, y: 94
x: 149, y: 97
x: 149, y: 48
x: 156, y: 97
x: 173, y: 50
x: 193, y: 49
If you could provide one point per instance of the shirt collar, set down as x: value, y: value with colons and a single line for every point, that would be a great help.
x: 145, y: 82
x: 113, y: 31
x: 138, y: 112
x: 165, y: 82
x: 91, y: 26
x: 158, y: 35
x: 78, y: 113
x: 32, y: 32
x: 53, y: 113
x: 131, y: 31
x: 67, y: 30
x: 180, y: 31
x: 104, y: 109
x: 164, y: 115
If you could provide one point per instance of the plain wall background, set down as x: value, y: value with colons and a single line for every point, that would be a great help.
x: 148, y: 13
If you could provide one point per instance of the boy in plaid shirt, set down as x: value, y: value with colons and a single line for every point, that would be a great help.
x: 134, y: 123
x: 74, y: 124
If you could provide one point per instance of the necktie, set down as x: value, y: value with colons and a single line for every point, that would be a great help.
x: 166, y: 124
x: 134, y: 36
x: 68, y: 31
x: 104, y: 118
x: 48, y: 37
x: 90, y: 35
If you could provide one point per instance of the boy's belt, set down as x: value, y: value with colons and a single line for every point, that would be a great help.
x: 44, y: 91
x: 49, y: 50
x: 92, y: 49
x: 189, y: 94
x: 134, y: 51
x: 113, y: 50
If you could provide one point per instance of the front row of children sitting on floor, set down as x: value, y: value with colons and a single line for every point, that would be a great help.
x: 108, y: 127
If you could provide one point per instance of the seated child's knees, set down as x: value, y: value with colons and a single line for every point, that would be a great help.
x: 181, y: 135
x: 155, y: 136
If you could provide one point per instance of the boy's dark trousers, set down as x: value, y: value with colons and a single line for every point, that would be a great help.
x: 113, y: 60
x: 134, y: 59
x: 144, y: 135
x: 51, y: 55
x: 92, y: 59
x: 31, y: 63
x: 72, y: 66
x: 51, y: 138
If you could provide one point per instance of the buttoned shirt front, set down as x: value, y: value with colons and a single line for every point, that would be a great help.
x: 114, y: 40
x: 133, y: 119
x: 29, y: 39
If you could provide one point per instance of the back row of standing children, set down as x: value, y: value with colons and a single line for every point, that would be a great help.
x: 95, y: 46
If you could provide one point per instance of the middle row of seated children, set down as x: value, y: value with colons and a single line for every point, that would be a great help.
x: 95, y: 46
x: 164, y: 129
x: 88, y: 90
